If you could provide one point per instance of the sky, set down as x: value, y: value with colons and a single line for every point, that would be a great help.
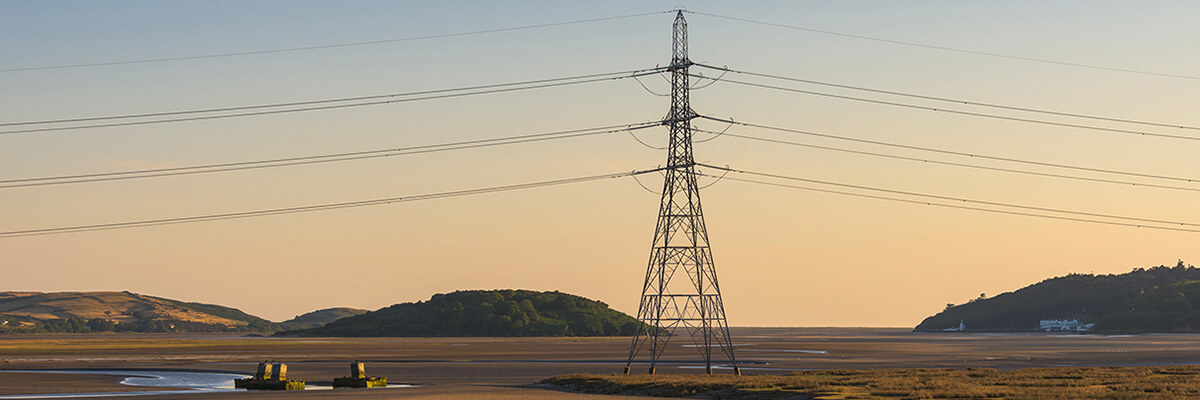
x: 784, y: 257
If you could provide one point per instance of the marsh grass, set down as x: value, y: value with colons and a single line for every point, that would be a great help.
x: 1166, y: 382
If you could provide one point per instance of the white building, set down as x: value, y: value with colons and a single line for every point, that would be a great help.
x: 1064, y: 325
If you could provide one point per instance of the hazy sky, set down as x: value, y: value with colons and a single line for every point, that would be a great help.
x: 784, y: 257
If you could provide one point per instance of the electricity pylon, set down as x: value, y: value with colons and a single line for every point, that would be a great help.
x: 681, y: 243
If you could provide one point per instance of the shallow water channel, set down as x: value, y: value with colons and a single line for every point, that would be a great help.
x: 180, y: 382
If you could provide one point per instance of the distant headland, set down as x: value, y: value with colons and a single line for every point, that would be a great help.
x: 1156, y: 299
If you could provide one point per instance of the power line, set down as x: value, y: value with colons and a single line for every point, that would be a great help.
x: 318, y: 207
x: 333, y: 100
x: 330, y: 46
x: 951, y: 205
x: 953, y: 49
x: 951, y: 152
x: 960, y: 112
x: 956, y: 199
x: 954, y: 164
x: 949, y: 100
x: 388, y: 99
x: 318, y: 159
x: 1010, y: 212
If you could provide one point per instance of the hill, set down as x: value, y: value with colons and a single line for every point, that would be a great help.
x: 1158, y: 299
x: 486, y: 313
x: 82, y: 312
x: 322, y: 317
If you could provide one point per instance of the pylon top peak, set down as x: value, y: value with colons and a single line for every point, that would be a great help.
x: 679, y: 42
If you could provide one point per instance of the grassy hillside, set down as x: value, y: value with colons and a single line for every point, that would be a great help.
x: 1158, y: 299
x: 486, y: 313
x: 322, y: 317
x: 82, y: 312
x: 117, y: 306
x: 252, y: 322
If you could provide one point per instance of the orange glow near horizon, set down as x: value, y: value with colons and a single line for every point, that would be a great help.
x: 784, y: 257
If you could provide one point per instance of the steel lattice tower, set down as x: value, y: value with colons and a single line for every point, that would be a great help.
x: 681, y: 243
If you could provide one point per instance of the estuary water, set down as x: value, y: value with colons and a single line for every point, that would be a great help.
x: 180, y: 382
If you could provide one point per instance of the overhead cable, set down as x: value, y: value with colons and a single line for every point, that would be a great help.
x: 328, y: 46
x: 960, y: 112
x: 386, y: 99
x: 953, y: 49
x: 317, y: 207
x: 950, y: 100
x: 962, y: 200
x: 953, y: 164
x: 957, y: 206
x: 318, y: 159
x: 951, y: 152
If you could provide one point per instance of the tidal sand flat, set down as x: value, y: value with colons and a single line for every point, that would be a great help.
x: 479, y: 366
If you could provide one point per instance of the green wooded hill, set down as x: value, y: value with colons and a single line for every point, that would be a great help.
x: 485, y: 313
x: 1158, y: 299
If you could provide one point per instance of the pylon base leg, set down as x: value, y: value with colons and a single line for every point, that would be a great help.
x: 626, y: 370
x: 651, y: 370
x: 708, y: 369
x: 737, y: 370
